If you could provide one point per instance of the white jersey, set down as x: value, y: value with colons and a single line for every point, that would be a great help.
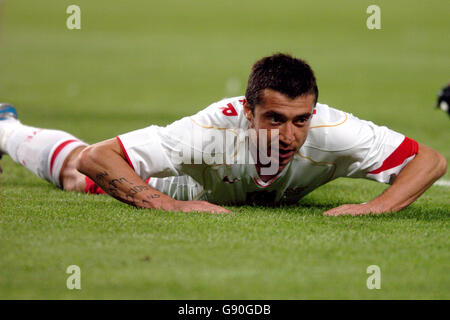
x: 338, y: 145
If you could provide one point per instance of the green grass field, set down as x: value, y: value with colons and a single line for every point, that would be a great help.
x: 136, y: 63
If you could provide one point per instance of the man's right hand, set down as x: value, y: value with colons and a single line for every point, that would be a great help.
x: 195, y: 206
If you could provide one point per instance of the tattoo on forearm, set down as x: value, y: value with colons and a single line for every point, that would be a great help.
x: 135, y: 190
x: 112, y: 186
x: 113, y: 182
x: 99, y: 178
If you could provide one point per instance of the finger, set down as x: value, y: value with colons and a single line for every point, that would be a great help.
x: 350, y: 209
x: 220, y: 210
x: 215, y: 208
x: 332, y: 211
x: 344, y: 209
x: 223, y: 210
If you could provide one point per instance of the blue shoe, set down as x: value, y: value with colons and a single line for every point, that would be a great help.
x: 7, y: 111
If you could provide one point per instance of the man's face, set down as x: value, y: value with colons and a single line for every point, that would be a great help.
x: 291, y: 117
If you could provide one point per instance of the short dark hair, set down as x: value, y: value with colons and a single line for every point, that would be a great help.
x: 283, y: 73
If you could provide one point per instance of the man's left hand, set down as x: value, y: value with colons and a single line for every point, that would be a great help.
x: 353, y: 210
x: 416, y: 177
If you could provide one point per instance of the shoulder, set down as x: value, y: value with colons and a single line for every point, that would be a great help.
x: 220, y: 120
x: 335, y: 130
x: 224, y: 114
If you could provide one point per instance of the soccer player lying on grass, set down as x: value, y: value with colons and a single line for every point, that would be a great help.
x: 190, y: 166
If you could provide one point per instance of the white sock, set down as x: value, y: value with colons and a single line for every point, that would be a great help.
x: 41, y: 151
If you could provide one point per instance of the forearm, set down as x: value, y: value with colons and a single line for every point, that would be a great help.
x: 105, y: 165
x: 412, y: 181
x: 416, y: 177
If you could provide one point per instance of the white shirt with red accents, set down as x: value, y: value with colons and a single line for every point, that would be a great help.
x: 338, y: 145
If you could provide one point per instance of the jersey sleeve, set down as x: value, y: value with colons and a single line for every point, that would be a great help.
x: 147, y: 153
x: 374, y: 152
x: 179, y: 148
x: 161, y: 152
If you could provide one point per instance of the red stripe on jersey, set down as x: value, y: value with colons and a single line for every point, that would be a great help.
x: 57, y: 151
x: 91, y: 187
x: 125, y: 152
x: 406, y: 149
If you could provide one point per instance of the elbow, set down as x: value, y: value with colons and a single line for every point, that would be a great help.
x: 437, y: 164
x: 434, y: 162
x: 441, y: 166
x: 96, y: 158
x: 87, y: 160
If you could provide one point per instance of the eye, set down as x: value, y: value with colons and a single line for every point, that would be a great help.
x: 302, y: 120
x: 274, y: 119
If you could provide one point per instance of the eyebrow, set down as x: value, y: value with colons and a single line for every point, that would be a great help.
x: 304, y: 116
x: 274, y: 114
x: 283, y: 118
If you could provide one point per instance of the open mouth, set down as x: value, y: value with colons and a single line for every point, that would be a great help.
x: 285, y: 154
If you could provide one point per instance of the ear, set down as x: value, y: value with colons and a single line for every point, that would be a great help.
x: 247, y: 111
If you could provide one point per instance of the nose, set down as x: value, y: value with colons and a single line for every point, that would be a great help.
x: 287, y: 133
